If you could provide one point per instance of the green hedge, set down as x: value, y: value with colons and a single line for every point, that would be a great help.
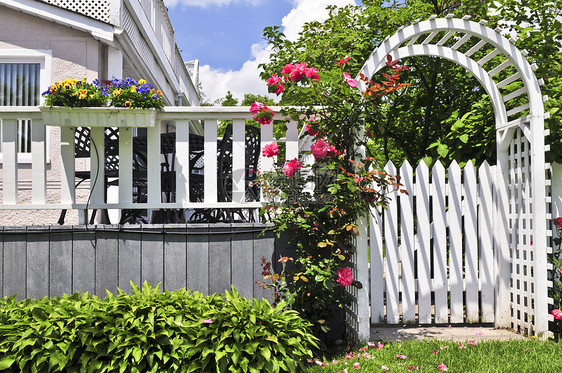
x: 151, y: 331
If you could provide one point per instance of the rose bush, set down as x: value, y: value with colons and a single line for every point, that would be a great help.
x: 317, y: 205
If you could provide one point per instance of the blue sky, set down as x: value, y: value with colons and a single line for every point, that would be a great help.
x: 226, y: 36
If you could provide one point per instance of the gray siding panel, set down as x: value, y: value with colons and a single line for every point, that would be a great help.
x: 152, y: 256
x: 106, y: 262
x: 175, y: 258
x: 219, y: 260
x: 37, y: 263
x: 83, y: 261
x: 15, y: 262
x: 129, y: 259
x: 263, y: 247
x: 60, y: 260
x: 198, y: 260
x: 243, y: 260
x: 52, y: 260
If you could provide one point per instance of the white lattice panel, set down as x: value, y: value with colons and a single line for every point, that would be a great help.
x: 520, y: 220
x: 97, y: 9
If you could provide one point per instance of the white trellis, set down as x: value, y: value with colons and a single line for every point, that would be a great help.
x: 511, y: 286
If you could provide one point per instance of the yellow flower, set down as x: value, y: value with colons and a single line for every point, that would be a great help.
x: 142, y: 81
x: 159, y: 92
x: 84, y: 80
x: 83, y: 94
x: 66, y: 85
x: 134, y: 88
x: 117, y: 92
x: 127, y: 103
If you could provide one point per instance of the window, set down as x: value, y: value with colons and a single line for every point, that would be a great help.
x: 23, y: 73
x: 19, y: 84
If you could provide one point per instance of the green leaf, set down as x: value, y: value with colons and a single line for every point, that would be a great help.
x: 6, y: 362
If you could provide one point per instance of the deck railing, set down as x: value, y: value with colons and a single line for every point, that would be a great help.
x: 201, y: 121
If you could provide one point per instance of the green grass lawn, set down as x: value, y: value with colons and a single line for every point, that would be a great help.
x: 492, y: 356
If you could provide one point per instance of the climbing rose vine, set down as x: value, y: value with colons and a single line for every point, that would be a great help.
x: 317, y: 205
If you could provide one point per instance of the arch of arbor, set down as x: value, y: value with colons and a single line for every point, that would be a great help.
x: 518, y: 244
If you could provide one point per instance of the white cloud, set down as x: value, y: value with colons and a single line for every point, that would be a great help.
x: 206, y: 3
x: 217, y: 83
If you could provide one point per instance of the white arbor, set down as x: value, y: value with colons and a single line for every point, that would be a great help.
x: 517, y: 244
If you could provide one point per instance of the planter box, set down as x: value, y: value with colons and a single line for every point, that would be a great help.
x: 98, y: 117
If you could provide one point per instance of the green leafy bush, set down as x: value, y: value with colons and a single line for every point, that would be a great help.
x: 151, y: 331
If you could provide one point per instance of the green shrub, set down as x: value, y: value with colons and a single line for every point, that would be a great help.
x: 151, y: 331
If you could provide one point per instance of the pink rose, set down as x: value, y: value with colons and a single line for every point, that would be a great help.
x: 345, y: 276
x: 287, y: 69
x: 261, y: 113
x: 557, y: 314
x: 311, y: 131
x: 351, y: 82
x: 291, y: 167
x: 320, y: 148
x: 558, y: 222
x: 256, y: 107
x: 270, y: 150
x: 312, y: 73
x: 298, y: 72
x: 274, y: 84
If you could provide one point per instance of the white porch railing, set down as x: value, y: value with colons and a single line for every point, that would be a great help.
x: 202, y: 121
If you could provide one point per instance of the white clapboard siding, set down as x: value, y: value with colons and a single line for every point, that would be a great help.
x: 392, y: 255
x: 408, y: 245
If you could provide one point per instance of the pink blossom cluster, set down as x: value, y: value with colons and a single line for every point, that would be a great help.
x: 557, y: 314
x: 321, y: 148
x: 350, y: 81
x: 270, y: 150
x: 261, y: 113
x: 296, y: 73
x: 345, y: 276
x: 291, y: 167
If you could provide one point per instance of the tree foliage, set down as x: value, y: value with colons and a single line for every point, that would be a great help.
x: 445, y: 113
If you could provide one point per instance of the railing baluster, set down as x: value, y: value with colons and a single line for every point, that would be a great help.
x: 38, y: 162
x: 182, y: 161
x: 210, y: 158
x: 238, y: 160
x: 292, y: 149
x: 10, y: 161
x: 97, y: 171
x: 125, y: 165
x: 67, y: 192
x: 153, y: 166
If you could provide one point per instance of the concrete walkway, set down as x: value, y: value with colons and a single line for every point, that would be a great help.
x: 458, y: 333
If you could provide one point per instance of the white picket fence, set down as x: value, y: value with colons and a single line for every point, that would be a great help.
x: 432, y: 250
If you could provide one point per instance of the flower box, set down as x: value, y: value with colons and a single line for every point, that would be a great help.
x: 98, y: 117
